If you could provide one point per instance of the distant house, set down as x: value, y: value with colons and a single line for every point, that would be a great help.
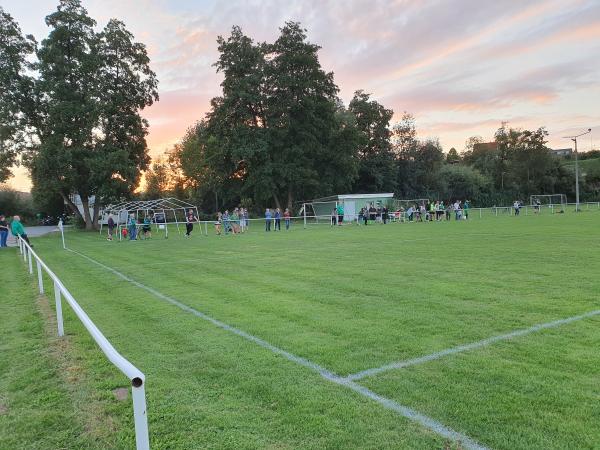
x: 561, y: 151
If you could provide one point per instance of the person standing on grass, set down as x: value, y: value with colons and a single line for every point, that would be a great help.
x: 17, y: 229
x: 218, y: 223
x: 517, y: 207
x: 334, y: 217
x: 340, y: 213
x: 3, y: 231
x: 226, y: 222
x: 111, y: 227
x: 466, y: 207
x: 147, y: 228
x: 268, y: 218
x: 132, y: 227
x: 286, y: 217
x: 277, y: 219
x: 190, y: 218
x: 234, y: 222
x: 384, y: 214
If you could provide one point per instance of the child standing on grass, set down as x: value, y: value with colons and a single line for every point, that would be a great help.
x: 286, y: 217
x: 277, y: 219
x: 218, y: 223
x: 268, y: 217
x: 132, y: 227
x: 334, y: 216
x: 111, y: 227
x: 146, y: 228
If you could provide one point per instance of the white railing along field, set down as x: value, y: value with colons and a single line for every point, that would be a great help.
x: 136, y: 377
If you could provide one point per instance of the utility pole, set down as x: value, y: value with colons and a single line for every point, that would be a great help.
x: 574, y: 139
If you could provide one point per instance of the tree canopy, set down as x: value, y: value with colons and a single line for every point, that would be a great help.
x: 82, y: 108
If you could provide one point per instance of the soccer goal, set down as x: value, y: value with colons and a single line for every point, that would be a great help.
x: 407, y: 203
x: 556, y: 203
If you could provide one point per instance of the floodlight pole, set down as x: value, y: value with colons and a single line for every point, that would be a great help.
x: 574, y: 139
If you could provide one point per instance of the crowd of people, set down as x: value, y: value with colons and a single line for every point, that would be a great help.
x: 238, y: 220
x: 438, y: 211
x: 235, y: 223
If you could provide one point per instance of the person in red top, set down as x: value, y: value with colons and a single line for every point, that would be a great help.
x: 286, y: 217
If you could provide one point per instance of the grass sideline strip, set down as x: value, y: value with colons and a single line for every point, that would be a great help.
x: 406, y: 412
x: 471, y: 346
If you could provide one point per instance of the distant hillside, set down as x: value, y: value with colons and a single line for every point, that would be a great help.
x: 584, y: 165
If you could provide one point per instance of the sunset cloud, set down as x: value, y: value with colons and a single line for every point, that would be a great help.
x: 460, y: 67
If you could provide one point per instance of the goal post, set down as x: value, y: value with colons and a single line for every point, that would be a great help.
x: 556, y: 203
x: 406, y: 203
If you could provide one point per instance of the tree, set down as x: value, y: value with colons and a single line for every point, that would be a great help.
x: 376, y: 159
x: 157, y: 179
x: 91, y: 87
x: 278, y: 132
x: 452, y: 157
x: 404, y: 134
x: 301, y: 99
x: 463, y: 182
x: 126, y: 85
x: 15, y: 90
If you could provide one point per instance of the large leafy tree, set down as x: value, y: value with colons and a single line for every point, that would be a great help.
x: 15, y: 91
x: 376, y: 159
x: 278, y: 132
x: 301, y: 100
x: 91, y: 87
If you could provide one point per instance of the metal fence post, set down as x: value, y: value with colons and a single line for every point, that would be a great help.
x: 140, y: 418
x: 59, y: 316
x: 304, y: 213
x: 40, y: 278
x: 24, y: 252
x: 30, y: 262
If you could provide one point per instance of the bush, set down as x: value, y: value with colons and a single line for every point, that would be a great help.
x: 13, y: 202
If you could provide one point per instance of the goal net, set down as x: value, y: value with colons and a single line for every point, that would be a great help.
x: 404, y: 204
x: 556, y: 203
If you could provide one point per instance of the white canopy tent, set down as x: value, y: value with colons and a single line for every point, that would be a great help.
x: 162, y: 211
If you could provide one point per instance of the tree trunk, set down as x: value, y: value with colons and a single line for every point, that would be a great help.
x: 289, y: 199
x: 276, y: 199
x: 71, y: 205
x: 96, y: 215
x: 85, y: 202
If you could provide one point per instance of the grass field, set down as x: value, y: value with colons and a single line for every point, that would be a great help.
x: 344, y: 300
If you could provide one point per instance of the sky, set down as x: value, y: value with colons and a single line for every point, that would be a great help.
x: 461, y: 67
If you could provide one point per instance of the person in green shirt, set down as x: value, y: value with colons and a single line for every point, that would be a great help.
x: 147, y: 228
x: 466, y: 207
x: 340, y: 213
x: 17, y: 229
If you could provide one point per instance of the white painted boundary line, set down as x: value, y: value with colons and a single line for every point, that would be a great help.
x: 467, y: 347
x: 404, y: 411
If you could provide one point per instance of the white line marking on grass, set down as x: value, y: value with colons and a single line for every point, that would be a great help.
x: 404, y: 411
x: 467, y: 347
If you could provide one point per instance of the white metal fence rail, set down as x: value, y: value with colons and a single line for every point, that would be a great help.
x: 136, y: 377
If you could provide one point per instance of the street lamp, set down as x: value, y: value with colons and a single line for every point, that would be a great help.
x: 574, y: 139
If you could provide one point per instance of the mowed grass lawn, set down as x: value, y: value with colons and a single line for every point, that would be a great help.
x: 347, y: 299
